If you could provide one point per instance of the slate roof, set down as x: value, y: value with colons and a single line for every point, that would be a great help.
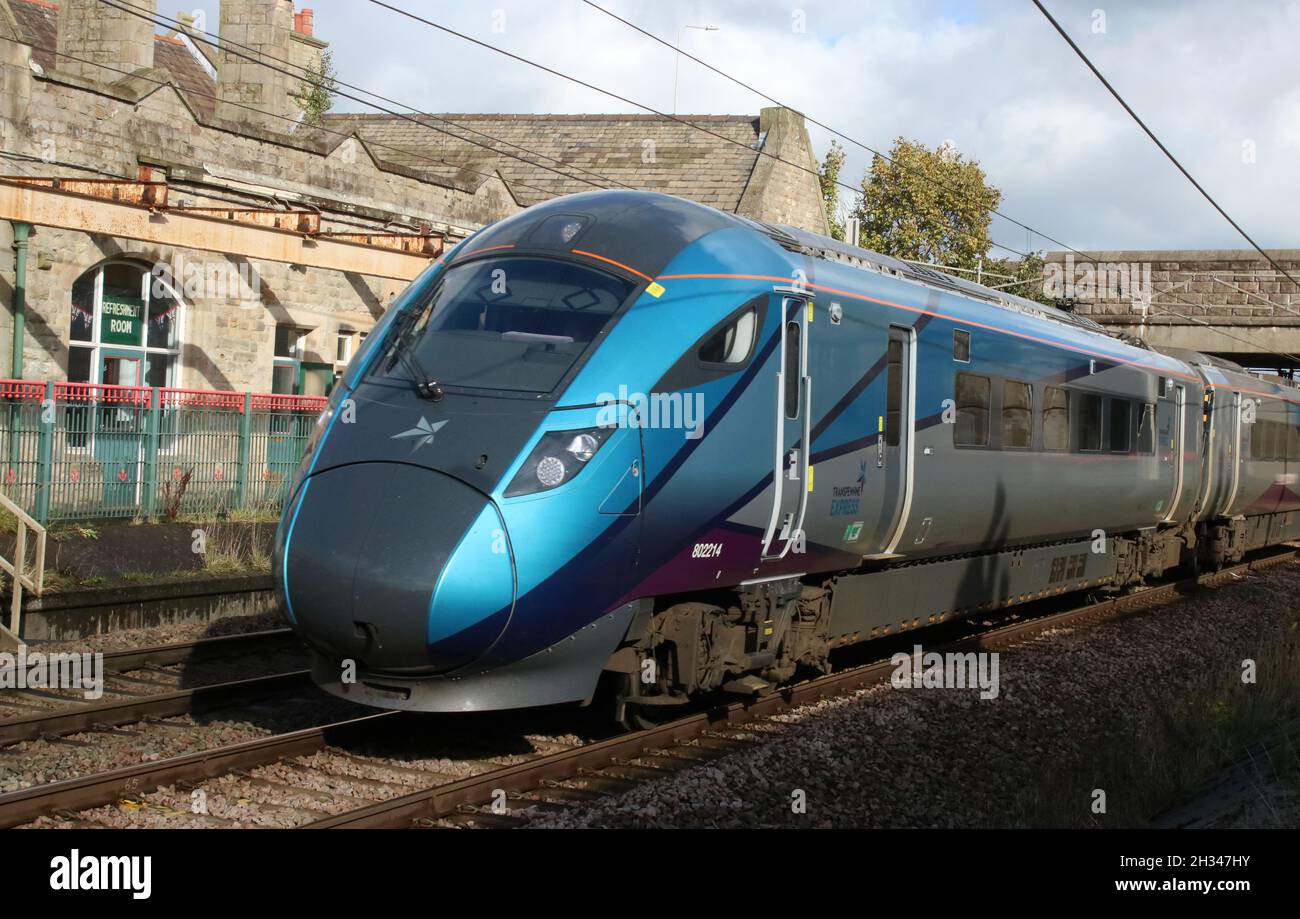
x: 642, y: 151
x: 172, y: 55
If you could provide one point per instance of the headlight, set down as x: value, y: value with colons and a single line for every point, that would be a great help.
x: 558, y: 457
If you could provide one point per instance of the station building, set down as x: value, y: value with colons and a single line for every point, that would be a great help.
x: 168, y: 219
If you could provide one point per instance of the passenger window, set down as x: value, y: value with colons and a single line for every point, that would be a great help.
x: 1089, y: 422
x: 1292, y: 442
x: 1056, y: 419
x: 1147, y: 430
x: 961, y: 346
x: 793, y: 382
x: 732, y: 344
x: 1261, y: 440
x: 1121, y: 424
x: 972, y: 423
x: 1270, y: 431
x: 1017, y: 404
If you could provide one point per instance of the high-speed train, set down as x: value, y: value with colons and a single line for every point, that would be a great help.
x: 624, y: 434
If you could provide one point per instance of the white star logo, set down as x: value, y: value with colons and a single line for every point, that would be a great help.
x: 422, y: 433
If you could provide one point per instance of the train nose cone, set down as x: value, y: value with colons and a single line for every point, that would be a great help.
x: 399, y: 568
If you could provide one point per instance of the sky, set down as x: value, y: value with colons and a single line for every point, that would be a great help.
x: 1218, y: 82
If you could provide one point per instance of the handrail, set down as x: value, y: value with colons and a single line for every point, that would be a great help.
x: 33, y: 581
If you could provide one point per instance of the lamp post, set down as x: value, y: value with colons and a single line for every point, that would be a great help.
x: 677, y: 61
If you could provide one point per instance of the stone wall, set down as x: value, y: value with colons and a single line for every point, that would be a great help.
x: 781, y: 192
x: 100, y: 33
x: 1220, y: 301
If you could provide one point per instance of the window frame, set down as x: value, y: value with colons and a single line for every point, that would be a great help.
x: 1084, y: 399
x: 1069, y: 418
x: 732, y: 318
x: 96, y: 345
x: 1002, y: 416
x: 1146, y: 410
x: 1109, y: 425
x: 291, y: 362
x: 964, y: 336
x: 988, y: 412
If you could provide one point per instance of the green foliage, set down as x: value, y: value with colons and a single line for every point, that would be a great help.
x: 1028, y: 275
x: 927, y: 205
x: 830, y: 174
x: 316, y: 95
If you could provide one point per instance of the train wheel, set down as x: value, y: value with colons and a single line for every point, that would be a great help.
x: 635, y: 717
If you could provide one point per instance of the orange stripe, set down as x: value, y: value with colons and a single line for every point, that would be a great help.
x: 485, y: 249
x: 964, y: 322
x: 612, y: 262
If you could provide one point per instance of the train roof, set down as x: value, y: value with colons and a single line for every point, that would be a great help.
x: 800, y: 240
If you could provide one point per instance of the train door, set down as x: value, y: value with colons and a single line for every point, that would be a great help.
x: 895, y: 431
x: 1233, y: 453
x: 1171, y: 446
x: 793, y: 426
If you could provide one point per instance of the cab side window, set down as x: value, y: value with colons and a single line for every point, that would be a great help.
x: 732, y: 343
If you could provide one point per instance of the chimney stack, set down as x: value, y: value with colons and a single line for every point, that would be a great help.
x: 302, y: 22
x: 266, y: 27
x: 103, y: 34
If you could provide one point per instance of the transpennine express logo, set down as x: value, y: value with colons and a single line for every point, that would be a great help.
x: 422, y: 433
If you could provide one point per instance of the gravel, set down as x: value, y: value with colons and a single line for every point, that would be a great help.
x: 886, y: 757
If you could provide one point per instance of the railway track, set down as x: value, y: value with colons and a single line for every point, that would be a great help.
x: 395, y: 795
x: 140, y: 688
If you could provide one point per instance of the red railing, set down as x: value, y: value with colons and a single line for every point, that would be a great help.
x: 273, y: 402
x: 168, y: 397
x: 22, y: 389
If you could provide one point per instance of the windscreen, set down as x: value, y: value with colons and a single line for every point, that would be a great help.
x: 515, y: 324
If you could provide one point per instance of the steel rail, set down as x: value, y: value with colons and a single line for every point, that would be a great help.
x: 81, y: 717
x: 200, y: 649
x: 19, y: 807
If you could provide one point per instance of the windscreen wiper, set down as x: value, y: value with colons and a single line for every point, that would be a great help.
x: 425, y: 386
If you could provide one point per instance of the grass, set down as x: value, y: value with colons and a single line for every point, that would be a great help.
x: 1166, y: 757
x: 235, y: 545
x: 63, y: 530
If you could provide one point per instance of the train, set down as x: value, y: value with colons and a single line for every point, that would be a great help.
x: 625, y: 441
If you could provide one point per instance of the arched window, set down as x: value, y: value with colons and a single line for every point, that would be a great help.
x: 125, y: 327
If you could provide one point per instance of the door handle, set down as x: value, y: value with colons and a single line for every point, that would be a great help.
x: 793, y: 472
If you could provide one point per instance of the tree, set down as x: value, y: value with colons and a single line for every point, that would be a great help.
x: 830, y: 175
x: 315, y: 96
x: 1028, y: 275
x: 927, y: 205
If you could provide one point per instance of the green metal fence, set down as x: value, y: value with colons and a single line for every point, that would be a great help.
x: 81, y: 450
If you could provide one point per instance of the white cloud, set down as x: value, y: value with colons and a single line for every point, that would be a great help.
x: 994, y: 77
